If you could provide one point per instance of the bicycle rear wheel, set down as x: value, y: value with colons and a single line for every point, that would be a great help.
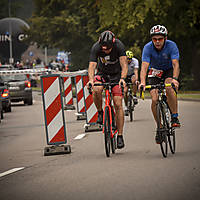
x: 107, y: 132
x: 161, y: 119
x: 130, y: 107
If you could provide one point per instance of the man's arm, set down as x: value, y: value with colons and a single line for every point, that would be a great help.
x: 143, y: 72
x: 124, y: 66
x: 136, y: 74
x: 176, y: 71
x: 91, y: 71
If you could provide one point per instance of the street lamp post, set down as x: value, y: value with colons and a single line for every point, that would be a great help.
x: 11, y: 60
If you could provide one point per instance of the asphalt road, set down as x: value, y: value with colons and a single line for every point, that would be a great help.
x: 137, y: 172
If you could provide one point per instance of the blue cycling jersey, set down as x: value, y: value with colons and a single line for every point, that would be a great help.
x: 161, y: 60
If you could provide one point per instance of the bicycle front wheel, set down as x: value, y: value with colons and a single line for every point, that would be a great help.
x: 114, y: 128
x: 161, y: 128
x: 171, y: 130
x: 172, y: 140
x: 107, y: 132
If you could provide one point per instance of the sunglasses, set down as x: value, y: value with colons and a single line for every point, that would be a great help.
x: 158, y: 39
x: 106, y: 48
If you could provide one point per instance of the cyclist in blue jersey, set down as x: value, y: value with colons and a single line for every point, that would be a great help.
x: 160, y: 57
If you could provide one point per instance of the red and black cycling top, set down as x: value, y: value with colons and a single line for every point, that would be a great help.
x: 108, y: 64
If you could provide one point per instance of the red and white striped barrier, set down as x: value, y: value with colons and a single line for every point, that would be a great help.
x: 68, y: 96
x: 53, y: 109
x: 54, y: 114
x: 91, y: 110
x: 81, y: 114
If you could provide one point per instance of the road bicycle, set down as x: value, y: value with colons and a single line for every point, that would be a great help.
x: 109, y: 124
x: 165, y: 130
x: 130, y: 101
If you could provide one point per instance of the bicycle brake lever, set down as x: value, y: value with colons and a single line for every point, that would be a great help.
x: 141, y: 92
x: 173, y: 86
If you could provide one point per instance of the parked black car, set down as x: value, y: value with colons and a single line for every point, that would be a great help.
x: 33, y: 80
x: 19, y: 87
x: 5, y: 96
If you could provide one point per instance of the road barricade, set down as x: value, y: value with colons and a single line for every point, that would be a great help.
x: 68, y: 96
x: 52, y: 96
x: 81, y: 112
x: 91, y: 110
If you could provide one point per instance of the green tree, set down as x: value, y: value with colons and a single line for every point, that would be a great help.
x: 131, y: 20
x: 65, y: 25
x: 74, y: 25
x: 4, y: 8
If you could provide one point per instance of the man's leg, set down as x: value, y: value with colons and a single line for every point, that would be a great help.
x: 154, y: 97
x: 134, y: 85
x: 173, y: 103
x: 97, y: 98
x: 133, y: 79
x: 119, y: 120
x: 119, y: 114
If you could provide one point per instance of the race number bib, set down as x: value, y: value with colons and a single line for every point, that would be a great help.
x: 155, y: 73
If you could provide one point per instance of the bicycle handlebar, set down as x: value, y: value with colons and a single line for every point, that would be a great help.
x: 105, y: 85
x: 156, y: 87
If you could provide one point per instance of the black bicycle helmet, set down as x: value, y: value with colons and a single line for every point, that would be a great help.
x: 107, y: 39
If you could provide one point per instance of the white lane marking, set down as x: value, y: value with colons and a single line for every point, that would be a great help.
x: 80, y: 136
x: 11, y: 171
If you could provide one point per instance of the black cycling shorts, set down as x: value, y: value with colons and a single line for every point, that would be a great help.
x: 155, y: 80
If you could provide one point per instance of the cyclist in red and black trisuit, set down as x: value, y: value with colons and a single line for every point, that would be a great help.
x: 110, y: 55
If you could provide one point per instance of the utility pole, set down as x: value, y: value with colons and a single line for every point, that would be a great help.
x: 45, y: 56
x: 11, y: 60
